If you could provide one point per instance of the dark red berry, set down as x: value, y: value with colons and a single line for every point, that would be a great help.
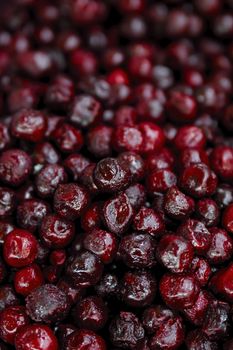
x: 11, y: 319
x: 36, y: 336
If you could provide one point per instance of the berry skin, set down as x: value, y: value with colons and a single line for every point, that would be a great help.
x: 15, y: 167
x: 70, y: 200
x: 47, y: 304
x: 29, y: 125
x: 27, y: 279
x: 39, y: 337
x: 84, y: 339
x: 11, y: 319
x: 20, y: 248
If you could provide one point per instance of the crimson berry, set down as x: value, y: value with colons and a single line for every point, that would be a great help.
x: 170, y: 335
x: 125, y: 115
x: 15, y: 167
x: 117, y: 214
x: 20, y: 248
x: 137, y: 250
x: 107, y: 286
x: 101, y: 243
x: 31, y: 212
x: 47, y: 303
x: 136, y: 195
x: 84, y: 339
x: 154, y: 317
x: 163, y: 159
x: 181, y: 107
x: 83, y: 62
x: 222, y: 162
x: 138, y: 289
x: 177, y: 205
x: 149, y: 221
x: 45, y: 153
x: 60, y: 93
x: 118, y: 77
x: 36, y: 64
x: 99, y: 141
x: 197, y: 312
x: 217, y: 320
x: 196, y: 339
x: 87, y: 179
x: 208, y: 211
x: 110, y: 175
x: 126, y: 330
x: 68, y: 138
x: 221, y: 282
x: 160, y: 180
x: 134, y: 163
x: 11, y: 319
x: 179, y: 291
x: 29, y: 125
x: 70, y: 200
x: 221, y: 246
x: 196, y: 233
x: 201, y: 270
x: 153, y: 137
x: 49, y: 178
x: 91, y: 218
x: 190, y: 137
x: 127, y: 138
x: 91, y: 313
x: 198, y: 180
x: 85, y: 111
x: 39, y: 337
x: 27, y: 279
x: 84, y: 269
x: 227, y: 220
x: 56, y: 232
x: 75, y: 164
x: 175, y: 253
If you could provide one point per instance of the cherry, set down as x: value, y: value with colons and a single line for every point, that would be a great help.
x: 190, y: 137
x: 83, y: 62
x: 109, y: 175
x: 99, y: 141
x: 70, y: 200
x: 126, y: 330
x: 29, y: 125
x: 216, y: 323
x: 84, y: 340
x: 11, y: 319
x: 198, y: 180
x: 170, y: 335
x: 48, y: 180
x: 222, y: 162
x: 15, y: 167
x: 137, y: 250
x: 27, y: 279
x: 138, y: 289
x: 31, y: 212
x: 181, y: 107
x: 221, y: 246
x: 201, y: 270
x: 75, y: 164
x: 127, y: 138
x: 197, y: 312
x: 197, y: 234
x: 134, y: 163
x: 147, y: 220
x: 177, y: 205
x: 160, y: 180
x: 227, y: 218
x: 221, y: 282
x: 175, y: 253
x: 47, y: 303
x: 154, y: 317
x: 101, y: 243
x: 91, y: 218
x: 85, y: 111
x: 60, y: 93
x: 136, y: 195
x: 39, y: 337
x: 196, y: 339
x: 84, y: 269
x: 20, y: 248
x: 179, y: 291
x: 91, y: 313
x: 56, y: 232
x: 208, y: 211
x: 117, y: 214
x: 68, y: 138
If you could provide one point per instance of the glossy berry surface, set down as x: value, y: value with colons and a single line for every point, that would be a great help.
x: 116, y: 175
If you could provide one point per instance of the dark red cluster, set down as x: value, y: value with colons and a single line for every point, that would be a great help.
x: 116, y: 174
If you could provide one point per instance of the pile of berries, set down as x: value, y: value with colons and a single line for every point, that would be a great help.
x: 116, y: 175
